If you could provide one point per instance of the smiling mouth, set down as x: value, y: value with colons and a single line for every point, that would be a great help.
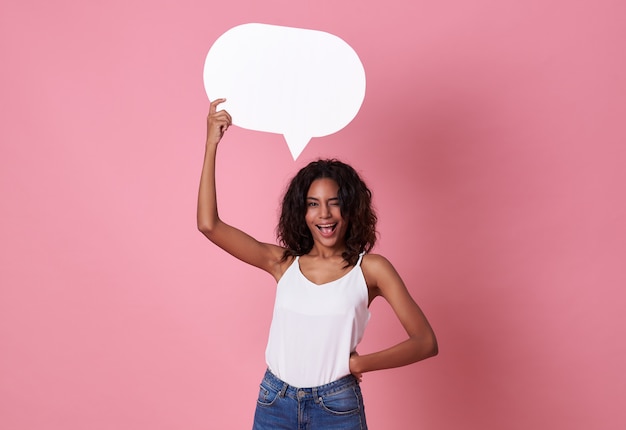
x: 326, y: 229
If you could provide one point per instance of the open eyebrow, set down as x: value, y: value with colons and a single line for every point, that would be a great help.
x: 332, y: 199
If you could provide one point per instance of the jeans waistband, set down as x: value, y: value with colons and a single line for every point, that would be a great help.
x: 314, y: 392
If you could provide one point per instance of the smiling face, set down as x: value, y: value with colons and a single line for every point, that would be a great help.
x: 323, y: 215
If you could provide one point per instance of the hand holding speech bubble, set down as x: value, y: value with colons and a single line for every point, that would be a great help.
x: 295, y: 82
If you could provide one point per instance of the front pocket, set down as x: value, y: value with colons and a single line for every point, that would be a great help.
x: 343, y: 402
x: 267, y: 395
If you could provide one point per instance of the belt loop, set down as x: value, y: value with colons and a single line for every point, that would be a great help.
x: 317, y: 399
x: 283, y: 390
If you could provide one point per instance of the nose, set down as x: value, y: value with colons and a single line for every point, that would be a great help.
x: 325, y: 211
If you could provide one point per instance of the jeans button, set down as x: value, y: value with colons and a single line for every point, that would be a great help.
x: 300, y: 394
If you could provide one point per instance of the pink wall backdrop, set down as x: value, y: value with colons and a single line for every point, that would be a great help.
x: 492, y: 134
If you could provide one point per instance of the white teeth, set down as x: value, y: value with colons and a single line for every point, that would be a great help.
x: 327, y: 228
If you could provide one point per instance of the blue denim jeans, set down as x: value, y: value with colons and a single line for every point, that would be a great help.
x: 337, y: 406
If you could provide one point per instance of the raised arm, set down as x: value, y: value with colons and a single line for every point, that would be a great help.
x: 384, y: 281
x: 234, y: 241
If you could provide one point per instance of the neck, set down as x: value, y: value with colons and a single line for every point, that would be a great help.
x: 325, y: 252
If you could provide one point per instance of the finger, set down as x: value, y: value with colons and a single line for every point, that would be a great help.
x: 214, y: 104
x: 222, y: 123
x: 220, y: 114
x: 223, y: 117
x: 230, y: 118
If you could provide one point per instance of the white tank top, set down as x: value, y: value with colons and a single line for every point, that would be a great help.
x: 316, y: 327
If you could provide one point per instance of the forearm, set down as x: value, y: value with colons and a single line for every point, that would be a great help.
x: 207, y: 215
x: 402, y: 354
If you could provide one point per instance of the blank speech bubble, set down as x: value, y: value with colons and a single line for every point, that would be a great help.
x: 295, y: 82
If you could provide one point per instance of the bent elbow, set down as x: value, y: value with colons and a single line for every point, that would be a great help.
x: 432, y: 345
x: 429, y: 347
x: 207, y: 228
x: 204, y: 228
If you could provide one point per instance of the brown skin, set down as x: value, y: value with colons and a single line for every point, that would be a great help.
x: 323, y: 263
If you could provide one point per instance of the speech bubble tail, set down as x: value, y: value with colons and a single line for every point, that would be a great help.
x: 296, y: 144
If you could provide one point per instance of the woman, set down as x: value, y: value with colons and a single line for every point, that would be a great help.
x: 326, y: 281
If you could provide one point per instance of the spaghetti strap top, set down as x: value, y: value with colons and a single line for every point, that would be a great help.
x: 315, y: 327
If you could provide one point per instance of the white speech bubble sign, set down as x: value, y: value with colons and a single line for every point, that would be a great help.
x: 296, y: 82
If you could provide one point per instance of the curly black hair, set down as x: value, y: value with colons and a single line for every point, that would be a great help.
x: 355, y: 202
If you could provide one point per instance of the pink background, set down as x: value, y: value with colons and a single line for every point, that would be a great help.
x: 492, y: 134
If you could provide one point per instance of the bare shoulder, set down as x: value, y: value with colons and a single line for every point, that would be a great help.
x: 375, y: 262
x: 377, y: 269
